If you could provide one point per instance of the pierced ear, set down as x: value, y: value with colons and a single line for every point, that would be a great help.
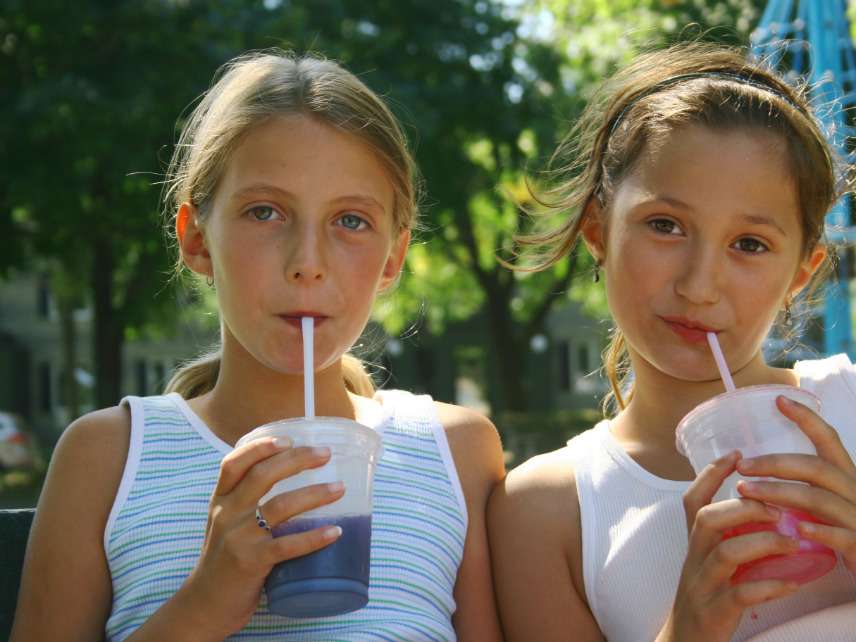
x: 806, y: 270
x: 395, y: 260
x: 593, y: 230
x: 191, y: 240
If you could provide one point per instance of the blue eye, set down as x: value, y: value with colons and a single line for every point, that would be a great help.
x: 352, y: 221
x: 262, y: 212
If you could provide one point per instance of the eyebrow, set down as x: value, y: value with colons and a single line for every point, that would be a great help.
x: 363, y: 199
x: 754, y: 219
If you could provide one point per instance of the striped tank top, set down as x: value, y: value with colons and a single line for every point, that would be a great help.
x: 157, y: 525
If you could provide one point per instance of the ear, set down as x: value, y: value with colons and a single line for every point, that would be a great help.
x: 807, y: 269
x: 395, y: 260
x: 593, y: 229
x: 191, y: 240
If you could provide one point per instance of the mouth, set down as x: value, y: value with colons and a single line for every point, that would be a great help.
x: 295, y: 318
x: 689, y: 330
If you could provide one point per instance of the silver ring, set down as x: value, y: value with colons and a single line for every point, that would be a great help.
x: 261, y: 521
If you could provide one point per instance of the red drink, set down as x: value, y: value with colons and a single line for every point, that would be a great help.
x: 810, y: 562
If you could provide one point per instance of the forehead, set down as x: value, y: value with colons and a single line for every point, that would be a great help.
x: 313, y: 160
x: 742, y: 170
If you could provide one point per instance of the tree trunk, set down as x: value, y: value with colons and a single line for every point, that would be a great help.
x: 509, y: 350
x: 108, y: 337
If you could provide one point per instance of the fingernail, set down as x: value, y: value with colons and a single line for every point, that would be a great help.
x: 787, y: 401
x: 321, y: 451
x: 749, y: 487
x: 807, y: 527
x: 332, y: 532
x: 282, y: 442
x: 336, y: 487
x: 747, y: 464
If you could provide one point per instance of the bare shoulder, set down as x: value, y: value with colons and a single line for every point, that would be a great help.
x: 90, y: 456
x: 97, y: 441
x: 541, y: 491
x: 473, y: 439
x: 68, y: 576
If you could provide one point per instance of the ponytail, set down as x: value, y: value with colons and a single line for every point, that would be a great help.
x: 616, y: 364
x: 197, y: 377
x: 357, y: 380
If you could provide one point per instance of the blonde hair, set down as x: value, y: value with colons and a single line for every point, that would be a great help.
x: 247, y: 91
x: 659, y: 92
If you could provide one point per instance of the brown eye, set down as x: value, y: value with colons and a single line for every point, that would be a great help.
x: 751, y: 246
x: 663, y: 226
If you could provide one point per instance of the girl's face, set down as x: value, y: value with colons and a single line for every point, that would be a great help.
x: 301, y: 225
x: 704, y: 234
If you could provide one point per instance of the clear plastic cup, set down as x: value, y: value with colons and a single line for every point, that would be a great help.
x: 748, y: 420
x: 335, y: 579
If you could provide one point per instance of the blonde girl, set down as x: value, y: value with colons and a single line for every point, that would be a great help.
x: 292, y: 193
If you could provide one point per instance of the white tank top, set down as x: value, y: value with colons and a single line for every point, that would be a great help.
x: 634, y: 536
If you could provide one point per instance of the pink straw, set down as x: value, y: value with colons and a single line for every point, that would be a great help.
x: 713, y: 342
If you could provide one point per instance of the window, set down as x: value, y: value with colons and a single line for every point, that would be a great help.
x: 43, y: 298
x: 583, y: 359
x: 142, y: 376
x: 45, y: 387
x: 564, y: 350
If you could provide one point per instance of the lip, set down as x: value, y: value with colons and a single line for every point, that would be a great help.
x: 689, y: 330
x: 294, y: 318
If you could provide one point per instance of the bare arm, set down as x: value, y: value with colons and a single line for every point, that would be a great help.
x: 534, y: 528
x: 65, y: 588
x: 477, y: 452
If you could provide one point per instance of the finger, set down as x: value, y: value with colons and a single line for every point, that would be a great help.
x: 819, y: 502
x: 825, y: 438
x: 707, y: 483
x: 842, y: 540
x: 288, y: 547
x: 741, y: 596
x: 236, y: 464
x: 799, y: 467
x: 730, y: 553
x: 286, y: 505
x: 261, y: 477
x: 715, y: 519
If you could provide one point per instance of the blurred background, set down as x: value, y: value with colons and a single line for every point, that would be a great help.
x: 90, y: 101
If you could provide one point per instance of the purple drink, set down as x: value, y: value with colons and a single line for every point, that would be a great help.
x: 329, y: 581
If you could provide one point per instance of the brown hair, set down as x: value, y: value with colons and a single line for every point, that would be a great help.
x: 247, y: 91
x: 660, y: 91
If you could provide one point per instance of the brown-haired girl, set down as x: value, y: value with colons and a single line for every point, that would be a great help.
x: 292, y: 193
x: 699, y: 182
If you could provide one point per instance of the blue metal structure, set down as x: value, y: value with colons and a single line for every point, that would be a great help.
x: 812, y: 37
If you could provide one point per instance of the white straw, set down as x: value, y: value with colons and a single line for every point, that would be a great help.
x: 308, y: 326
x: 713, y: 342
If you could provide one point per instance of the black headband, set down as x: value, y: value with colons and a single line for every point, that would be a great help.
x: 719, y: 75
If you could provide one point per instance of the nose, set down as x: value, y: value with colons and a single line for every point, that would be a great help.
x: 305, y: 257
x: 701, y: 278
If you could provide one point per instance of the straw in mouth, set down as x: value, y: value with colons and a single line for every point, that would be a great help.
x: 724, y: 372
x: 307, y: 325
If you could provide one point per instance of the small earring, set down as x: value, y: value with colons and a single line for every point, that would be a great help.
x: 209, y: 280
x: 788, y: 316
x: 596, y: 276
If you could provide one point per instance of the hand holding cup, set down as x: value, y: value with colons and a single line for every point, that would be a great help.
x: 829, y: 488
x: 237, y: 555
